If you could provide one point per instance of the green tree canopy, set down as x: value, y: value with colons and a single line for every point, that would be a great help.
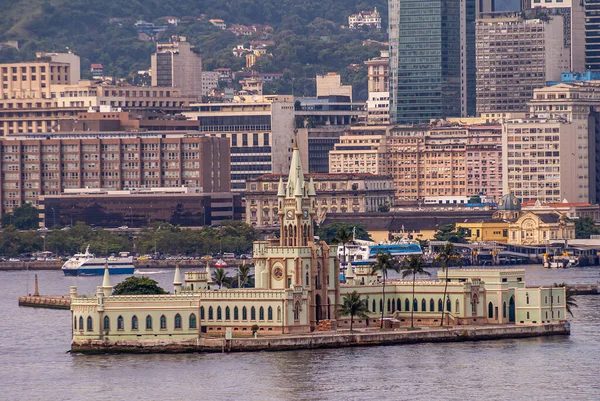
x: 24, y: 217
x: 138, y: 286
x: 329, y: 232
x: 451, y: 234
x: 585, y: 227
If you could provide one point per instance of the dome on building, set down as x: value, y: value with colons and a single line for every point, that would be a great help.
x: 509, y: 202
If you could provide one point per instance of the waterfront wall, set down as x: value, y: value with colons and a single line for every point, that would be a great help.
x: 63, y: 302
x: 325, y: 340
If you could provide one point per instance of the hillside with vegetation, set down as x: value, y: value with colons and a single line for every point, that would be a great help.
x: 308, y: 34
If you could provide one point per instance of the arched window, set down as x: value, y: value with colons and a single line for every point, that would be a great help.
x: 178, y: 321
x: 546, y: 315
x: 202, y: 313
x: 415, y: 305
x: 120, y: 324
x: 457, y: 309
x: 227, y: 313
x: 210, y: 313
x: 244, y: 313
x: 393, y: 306
x: 192, y: 321
x: 559, y: 314
x: 389, y: 305
x: 307, y: 281
x: 423, y: 305
x: 527, y: 315
x: 279, y: 314
x: 81, y: 323
x: 90, y: 326
x: 236, y: 314
x: 448, y: 305
x: 398, y: 304
x: 440, y: 305
x: 163, y: 322
x: 134, y: 323
x: 106, y: 323
x: 374, y: 306
x: 431, y: 305
x: 558, y: 299
x: 270, y: 313
x: 406, y: 305
x: 219, y: 316
x: 381, y: 305
x: 148, y: 322
x: 261, y: 313
x: 504, y: 310
x: 252, y: 313
x: 546, y: 299
x: 491, y: 310
x: 527, y: 299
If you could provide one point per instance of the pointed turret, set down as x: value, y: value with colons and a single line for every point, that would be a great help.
x: 311, y: 188
x: 281, y: 188
x: 106, y: 286
x: 296, y: 171
x: 177, y: 280
x: 350, y: 276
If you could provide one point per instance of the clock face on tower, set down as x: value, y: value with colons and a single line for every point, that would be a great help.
x: 305, y: 213
x: 290, y: 214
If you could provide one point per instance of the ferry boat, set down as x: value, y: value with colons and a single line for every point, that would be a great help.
x: 87, y: 264
x: 364, y: 252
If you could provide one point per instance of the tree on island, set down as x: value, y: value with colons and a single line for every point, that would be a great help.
x: 412, y: 266
x: 243, y: 277
x: 354, y: 306
x: 138, y: 286
x: 447, y: 256
x: 221, y: 278
x: 343, y: 236
x: 384, y: 262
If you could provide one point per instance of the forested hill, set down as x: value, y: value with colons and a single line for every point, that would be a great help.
x: 103, y: 31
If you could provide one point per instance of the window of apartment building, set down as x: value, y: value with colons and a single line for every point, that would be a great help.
x: 254, y: 139
x: 265, y: 139
x: 233, y: 139
x: 244, y: 139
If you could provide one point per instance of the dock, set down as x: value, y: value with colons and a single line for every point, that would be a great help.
x: 51, y: 302
x: 584, y: 289
x: 320, y: 340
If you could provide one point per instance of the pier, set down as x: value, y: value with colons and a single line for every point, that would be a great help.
x: 56, y: 302
x: 320, y: 340
x: 584, y: 289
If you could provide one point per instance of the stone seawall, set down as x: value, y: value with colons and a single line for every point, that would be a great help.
x: 325, y: 340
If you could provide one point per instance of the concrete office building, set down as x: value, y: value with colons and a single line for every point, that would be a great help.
x: 175, y: 65
x: 360, y: 151
x: 432, y: 59
x: 69, y: 58
x: 331, y: 85
x: 378, y: 103
x: 445, y: 161
x: 260, y: 131
x: 515, y: 56
x: 564, y: 125
x: 592, y: 35
x: 35, y: 165
x: 573, y: 13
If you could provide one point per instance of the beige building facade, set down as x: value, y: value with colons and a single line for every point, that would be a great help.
x: 356, y: 153
x: 336, y: 193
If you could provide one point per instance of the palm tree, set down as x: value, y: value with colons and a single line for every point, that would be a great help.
x: 384, y: 262
x: 570, y: 301
x: 220, y: 277
x: 343, y: 236
x: 413, y: 265
x: 445, y: 257
x: 243, y: 275
x: 354, y: 306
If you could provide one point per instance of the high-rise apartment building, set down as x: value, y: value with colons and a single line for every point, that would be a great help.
x: 432, y: 59
x: 175, y: 64
x: 514, y: 56
x: 360, y: 152
x: 48, y: 164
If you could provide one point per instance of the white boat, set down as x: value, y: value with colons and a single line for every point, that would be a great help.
x: 366, y: 251
x: 87, y: 264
